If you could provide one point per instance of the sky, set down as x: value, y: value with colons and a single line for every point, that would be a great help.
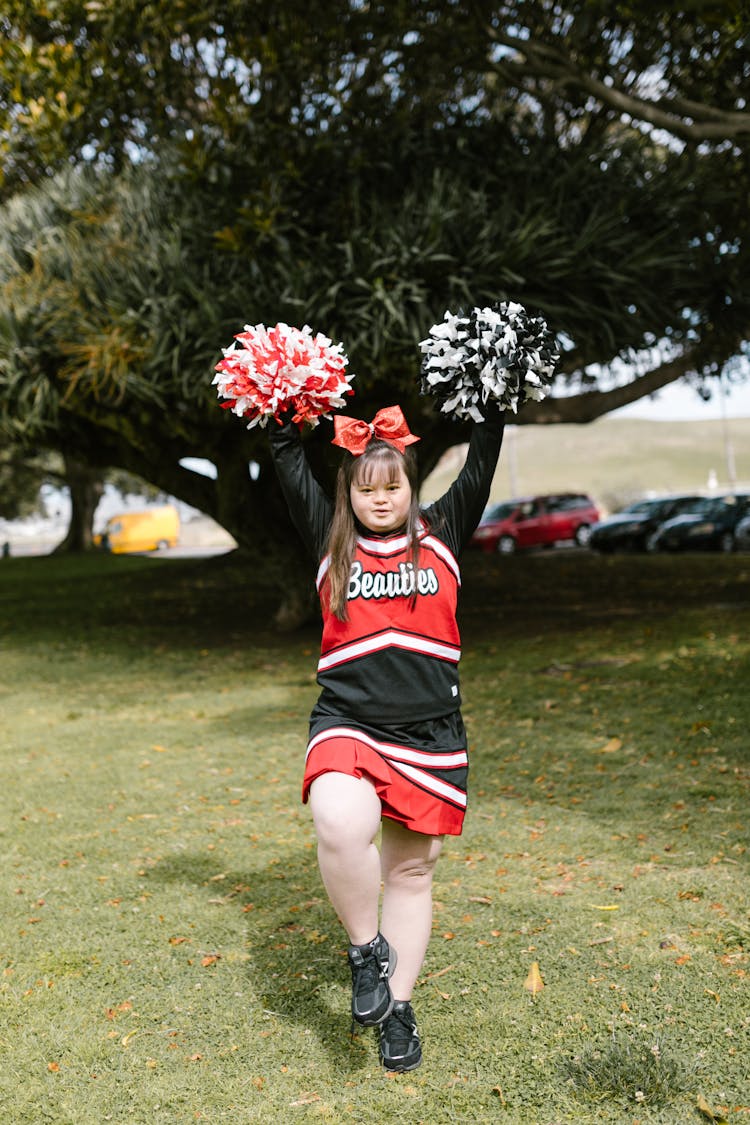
x: 680, y: 403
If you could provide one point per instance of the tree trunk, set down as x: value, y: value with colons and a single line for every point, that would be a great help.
x: 86, y: 487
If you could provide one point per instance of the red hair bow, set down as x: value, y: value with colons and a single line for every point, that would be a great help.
x: 388, y: 424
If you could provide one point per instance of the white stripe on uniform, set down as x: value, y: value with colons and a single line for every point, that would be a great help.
x: 395, y: 756
x: 390, y: 638
x: 433, y: 759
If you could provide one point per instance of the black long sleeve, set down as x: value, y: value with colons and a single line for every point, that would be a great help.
x: 456, y: 514
x: 453, y: 517
x: 310, y: 508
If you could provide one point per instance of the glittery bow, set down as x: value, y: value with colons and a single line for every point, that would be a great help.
x: 388, y: 425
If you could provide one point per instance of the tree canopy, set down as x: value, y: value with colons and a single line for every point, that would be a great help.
x: 174, y: 172
x: 99, y: 78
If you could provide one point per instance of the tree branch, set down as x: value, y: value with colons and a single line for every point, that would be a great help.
x: 589, y: 405
x: 690, y: 120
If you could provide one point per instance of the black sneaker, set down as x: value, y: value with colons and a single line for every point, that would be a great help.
x: 400, y: 1048
x: 371, y: 965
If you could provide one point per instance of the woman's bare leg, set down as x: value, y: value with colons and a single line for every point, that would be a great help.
x: 346, y: 813
x: 407, y: 861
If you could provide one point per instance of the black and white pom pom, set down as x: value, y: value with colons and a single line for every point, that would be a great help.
x: 499, y: 355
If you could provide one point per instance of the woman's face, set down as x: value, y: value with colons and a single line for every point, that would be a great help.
x: 381, y: 500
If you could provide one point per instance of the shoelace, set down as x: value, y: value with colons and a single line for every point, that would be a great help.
x: 399, y: 1036
x: 369, y: 973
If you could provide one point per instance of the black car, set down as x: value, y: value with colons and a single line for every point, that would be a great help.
x: 630, y: 529
x: 708, y: 526
x: 742, y: 534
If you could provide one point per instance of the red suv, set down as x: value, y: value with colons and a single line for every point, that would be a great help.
x: 539, y: 521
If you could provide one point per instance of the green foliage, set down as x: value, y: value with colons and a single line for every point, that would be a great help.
x: 105, y: 79
x: 22, y: 473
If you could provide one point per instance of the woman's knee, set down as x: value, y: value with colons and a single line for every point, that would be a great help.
x: 409, y: 859
x: 414, y: 871
x: 345, y: 810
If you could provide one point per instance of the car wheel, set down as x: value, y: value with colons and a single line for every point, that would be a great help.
x: 583, y: 535
x: 162, y: 545
x: 506, y: 545
x: 726, y: 543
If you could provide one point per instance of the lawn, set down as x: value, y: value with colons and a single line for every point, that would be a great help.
x: 167, y: 954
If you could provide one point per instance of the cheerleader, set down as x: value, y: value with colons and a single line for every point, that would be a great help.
x: 387, y: 747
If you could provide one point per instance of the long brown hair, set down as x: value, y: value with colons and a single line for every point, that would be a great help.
x: 378, y: 458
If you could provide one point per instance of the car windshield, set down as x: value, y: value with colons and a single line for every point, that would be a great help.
x: 701, y: 507
x: 719, y: 506
x: 499, y: 511
x: 662, y: 506
x: 641, y: 508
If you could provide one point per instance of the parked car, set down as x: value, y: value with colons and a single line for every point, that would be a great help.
x: 742, y: 534
x: 629, y: 529
x: 708, y: 526
x: 536, y: 521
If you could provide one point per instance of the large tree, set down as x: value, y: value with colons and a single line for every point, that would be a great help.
x: 360, y: 168
x: 106, y: 78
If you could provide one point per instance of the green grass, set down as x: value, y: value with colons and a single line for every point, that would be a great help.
x: 167, y: 953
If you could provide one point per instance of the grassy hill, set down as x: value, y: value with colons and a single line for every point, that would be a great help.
x: 615, y: 460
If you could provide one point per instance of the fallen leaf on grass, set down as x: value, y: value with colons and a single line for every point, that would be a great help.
x: 701, y: 727
x: 534, y: 982
x: 307, y: 1098
x: 53, y: 1067
x: 439, y: 972
x: 705, y: 1109
x: 210, y: 959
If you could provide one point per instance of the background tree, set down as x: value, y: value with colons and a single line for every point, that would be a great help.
x: 22, y: 474
x: 88, y: 81
x: 359, y: 168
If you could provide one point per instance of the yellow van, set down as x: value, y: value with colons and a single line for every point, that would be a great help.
x: 148, y: 530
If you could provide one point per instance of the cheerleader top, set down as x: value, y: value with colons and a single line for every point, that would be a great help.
x: 395, y: 658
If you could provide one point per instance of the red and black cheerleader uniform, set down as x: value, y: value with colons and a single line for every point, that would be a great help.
x: 390, y: 703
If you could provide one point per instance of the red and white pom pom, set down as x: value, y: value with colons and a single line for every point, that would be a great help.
x: 266, y: 372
